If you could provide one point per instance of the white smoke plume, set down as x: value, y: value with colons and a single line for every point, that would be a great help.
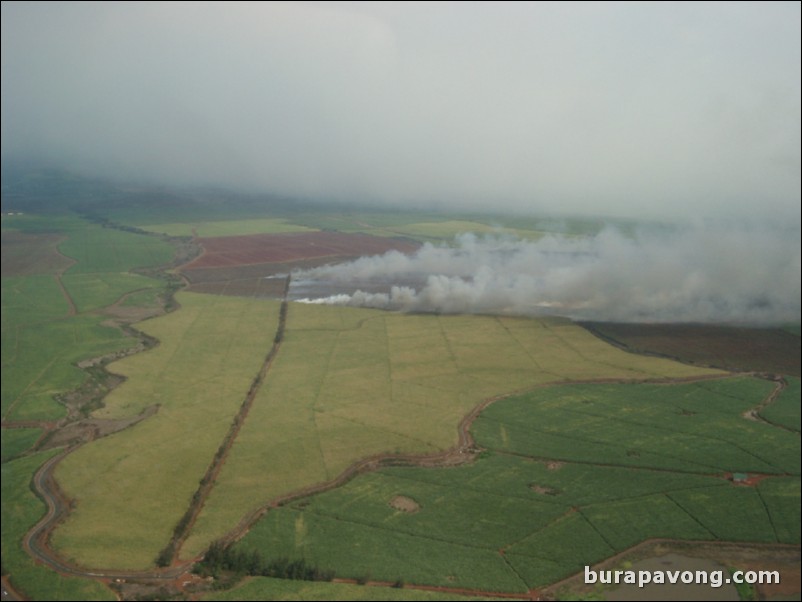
x: 704, y: 273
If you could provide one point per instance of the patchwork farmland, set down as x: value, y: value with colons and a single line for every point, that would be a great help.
x: 572, y: 474
x: 513, y: 435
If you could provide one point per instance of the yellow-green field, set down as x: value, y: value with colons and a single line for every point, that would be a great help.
x: 450, y: 228
x: 349, y: 383
x: 131, y: 488
x: 229, y: 227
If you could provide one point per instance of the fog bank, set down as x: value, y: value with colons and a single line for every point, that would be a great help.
x: 629, y: 109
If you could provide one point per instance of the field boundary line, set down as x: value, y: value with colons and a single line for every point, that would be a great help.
x: 182, y: 530
x: 768, y: 514
x: 780, y: 384
x: 72, y: 308
x: 464, y: 452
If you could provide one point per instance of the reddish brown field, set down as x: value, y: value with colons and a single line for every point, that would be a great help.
x: 228, y: 251
x: 26, y: 254
x: 728, y: 347
x: 240, y: 265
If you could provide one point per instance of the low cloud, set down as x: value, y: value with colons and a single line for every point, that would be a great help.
x: 703, y: 273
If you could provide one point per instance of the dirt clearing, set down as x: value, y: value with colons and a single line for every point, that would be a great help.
x: 404, y: 504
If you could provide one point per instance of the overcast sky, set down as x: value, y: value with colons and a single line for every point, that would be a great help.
x: 612, y: 108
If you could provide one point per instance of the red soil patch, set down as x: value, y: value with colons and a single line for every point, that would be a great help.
x: 25, y: 254
x: 751, y: 479
x: 227, y: 251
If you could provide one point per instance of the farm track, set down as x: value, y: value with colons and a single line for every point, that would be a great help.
x: 209, y: 478
x: 754, y: 413
x: 36, y: 541
x: 464, y: 452
x: 73, y: 309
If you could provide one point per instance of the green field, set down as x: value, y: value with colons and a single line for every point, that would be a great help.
x: 423, y: 226
x: 18, y: 440
x: 266, y: 588
x: 531, y: 513
x: 99, y: 250
x: 691, y: 428
x: 21, y: 510
x: 785, y: 409
x: 228, y: 227
x: 133, y: 487
x: 448, y: 229
x: 41, y: 340
x: 349, y: 383
x: 574, y: 472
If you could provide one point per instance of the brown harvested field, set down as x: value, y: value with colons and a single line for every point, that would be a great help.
x: 728, y: 347
x: 241, y: 265
x: 26, y: 254
x: 228, y: 251
x: 223, y: 281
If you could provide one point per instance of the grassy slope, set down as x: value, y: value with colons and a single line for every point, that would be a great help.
x: 133, y: 487
x: 547, y: 519
x: 349, y: 383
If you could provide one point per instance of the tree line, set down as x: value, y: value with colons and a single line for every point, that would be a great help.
x: 220, y: 558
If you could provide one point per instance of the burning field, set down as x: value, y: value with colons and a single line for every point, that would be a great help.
x: 243, y: 265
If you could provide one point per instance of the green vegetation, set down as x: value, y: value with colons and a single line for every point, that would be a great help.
x: 785, y: 409
x: 219, y: 558
x: 42, y: 357
x: 21, y: 510
x: 572, y: 473
x: 133, y: 487
x: 349, y: 383
x: 448, y: 229
x: 228, y: 227
x: 94, y: 291
x: 49, y: 326
x: 266, y: 588
x: 781, y: 498
x: 693, y: 428
x: 18, y: 441
x: 746, y: 592
x: 546, y: 515
x: 101, y: 250
x: 42, y: 341
x: 441, y: 226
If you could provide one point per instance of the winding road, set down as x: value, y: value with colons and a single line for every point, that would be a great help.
x: 36, y: 541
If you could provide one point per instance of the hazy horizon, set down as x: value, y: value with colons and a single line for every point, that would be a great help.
x: 644, y: 110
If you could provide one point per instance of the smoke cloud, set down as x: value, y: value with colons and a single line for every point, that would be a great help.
x: 703, y: 273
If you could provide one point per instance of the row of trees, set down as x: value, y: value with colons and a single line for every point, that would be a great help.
x: 221, y: 558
